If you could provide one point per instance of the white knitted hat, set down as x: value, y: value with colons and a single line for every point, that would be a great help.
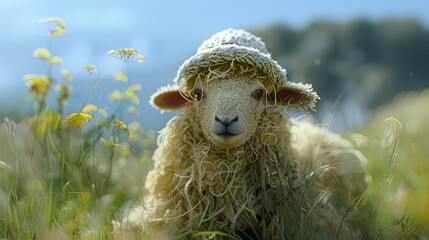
x: 232, y: 45
x: 239, y: 46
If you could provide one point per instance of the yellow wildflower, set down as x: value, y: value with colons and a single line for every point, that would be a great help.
x: 63, y: 88
x: 39, y: 84
x: 102, y: 112
x: 90, y: 68
x: 55, y: 60
x: 89, y: 108
x: 141, y: 58
x: 42, y: 53
x: 133, y: 110
x: 67, y: 74
x: 107, y: 144
x: 44, y: 121
x: 121, y: 76
x: 135, y: 126
x: 55, y: 26
x: 116, y: 96
x: 134, y: 129
x: 77, y: 119
x: 134, y: 99
x: 121, y: 125
x: 57, y: 32
x: 131, y: 91
x: 126, y: 55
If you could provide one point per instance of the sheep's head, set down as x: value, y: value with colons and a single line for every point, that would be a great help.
x: 230, y: 104
x: 229, y: 109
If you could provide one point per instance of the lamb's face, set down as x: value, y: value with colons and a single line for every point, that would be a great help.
x: 229, y: 109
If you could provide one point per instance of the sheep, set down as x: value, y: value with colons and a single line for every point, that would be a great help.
x: 233, y: 163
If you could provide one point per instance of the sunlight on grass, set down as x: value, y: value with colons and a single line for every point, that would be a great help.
x: 398, y: 153
x: 67, y: 174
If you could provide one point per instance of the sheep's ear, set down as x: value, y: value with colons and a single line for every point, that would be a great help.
x: 295, y: 95
x: 168, y: 98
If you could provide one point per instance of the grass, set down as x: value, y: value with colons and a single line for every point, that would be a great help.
x: 71, y: 175
x: 68, y: 176
x: 398, y: 156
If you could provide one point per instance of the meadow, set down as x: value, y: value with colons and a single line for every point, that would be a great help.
x: 72, y: 175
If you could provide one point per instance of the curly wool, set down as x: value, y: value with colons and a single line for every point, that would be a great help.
x: 251, y: 186
x: 196, y: 186
x: 257, y: 190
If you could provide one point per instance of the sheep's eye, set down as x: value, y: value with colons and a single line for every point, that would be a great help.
x: 258, y: 94
x: 198, y: 94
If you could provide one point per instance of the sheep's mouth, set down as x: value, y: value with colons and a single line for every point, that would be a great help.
x: 227, y: 135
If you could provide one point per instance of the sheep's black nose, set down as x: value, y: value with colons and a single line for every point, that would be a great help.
x: 226, y: 121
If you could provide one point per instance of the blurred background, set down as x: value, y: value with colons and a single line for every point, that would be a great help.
x: 357, y: 54
x: 368, y: 60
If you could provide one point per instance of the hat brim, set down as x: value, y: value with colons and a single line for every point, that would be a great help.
x: 232, y: 53
x: 228, y: 53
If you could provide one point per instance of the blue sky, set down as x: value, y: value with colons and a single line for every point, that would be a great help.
x: 165, y: 32
x: 176, y: 26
